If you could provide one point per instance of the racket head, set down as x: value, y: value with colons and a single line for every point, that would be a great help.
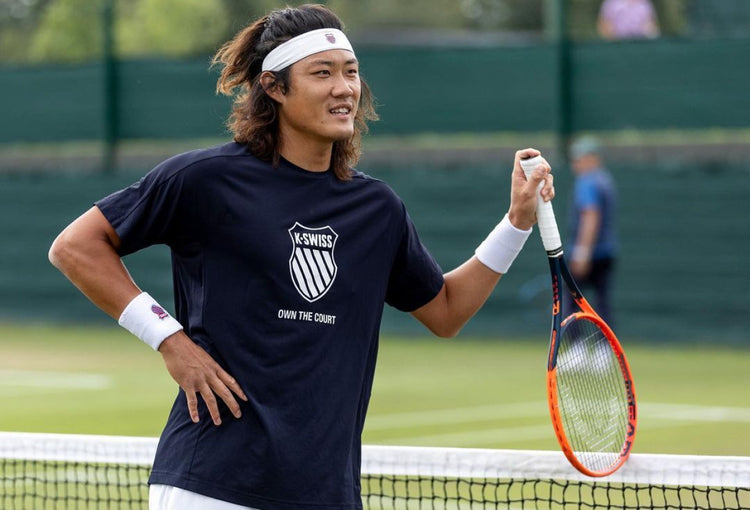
x: 591, y: 395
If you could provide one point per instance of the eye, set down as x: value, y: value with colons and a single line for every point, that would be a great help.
x: 322, y: 72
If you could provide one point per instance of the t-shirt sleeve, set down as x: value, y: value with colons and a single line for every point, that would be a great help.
x: 415, y: 277
x: 586, y: 195
x: 148, y: 211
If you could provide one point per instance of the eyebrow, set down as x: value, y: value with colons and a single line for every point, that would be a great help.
x: 331, y: 63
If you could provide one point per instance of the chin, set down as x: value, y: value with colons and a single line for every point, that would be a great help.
x: 342, y: 136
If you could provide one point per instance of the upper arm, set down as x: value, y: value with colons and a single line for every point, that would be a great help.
x: 431, y: 313
x: 90, y: 227
x: 590, y: 219
x: 464, y: 292
x: 588, y: 230
x: 97, y: 223
x: 94, y: 225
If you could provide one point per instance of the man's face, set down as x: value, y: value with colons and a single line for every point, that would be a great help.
x: 586, y: 162
x: 321, y: 101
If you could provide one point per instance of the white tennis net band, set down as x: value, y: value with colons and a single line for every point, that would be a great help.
x: 304, y: 45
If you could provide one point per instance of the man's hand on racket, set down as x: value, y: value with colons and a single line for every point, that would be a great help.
x: 198, y: 373
x: 523, y: 194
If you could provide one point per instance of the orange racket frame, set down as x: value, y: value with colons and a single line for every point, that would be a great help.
x: 559, y: 271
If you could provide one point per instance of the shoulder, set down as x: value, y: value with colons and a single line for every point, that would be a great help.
x: 201, y: 162
x: 586, y: 187
x: 362, y: 178
x: 373, y: 184
x: 584, y: 182
x: 603, y: 178
x: 377, y: 190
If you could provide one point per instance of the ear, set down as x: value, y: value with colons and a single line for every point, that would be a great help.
x: 271, y: 86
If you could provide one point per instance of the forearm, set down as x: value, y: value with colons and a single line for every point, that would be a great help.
x: 464, y: 292
x: 588, y: 230
x: 85, y: 253
x: 467, y: 287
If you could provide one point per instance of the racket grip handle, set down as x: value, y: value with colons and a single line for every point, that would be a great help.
x: 544, y: 213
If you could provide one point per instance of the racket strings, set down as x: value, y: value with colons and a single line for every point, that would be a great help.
x: 592, y: 397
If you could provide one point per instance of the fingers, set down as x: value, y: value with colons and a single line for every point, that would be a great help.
x: 208, y: 392
x: 201, y: 378
x: 525, y: 154
x: 541, y: 171
x: 192, y: 403
x: 232, y: 384
x: 542, y: 174
x: 537, y: 182
x: 213, y: 407
x: 525, y: 191
x: 548, y: 190
x: 224, y: 386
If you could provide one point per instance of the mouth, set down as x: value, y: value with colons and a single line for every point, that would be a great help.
x: 340, y: 111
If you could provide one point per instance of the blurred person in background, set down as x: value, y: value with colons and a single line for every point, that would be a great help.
x: 283, y: 257
x: 627, y: 19
x: 592, y: 228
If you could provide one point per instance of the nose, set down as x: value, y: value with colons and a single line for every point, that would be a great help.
x: 343, y: 86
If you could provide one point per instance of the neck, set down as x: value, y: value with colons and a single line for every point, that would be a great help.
x: 310, y: 156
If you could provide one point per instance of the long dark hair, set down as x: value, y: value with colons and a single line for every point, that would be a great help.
x: 254, y: 118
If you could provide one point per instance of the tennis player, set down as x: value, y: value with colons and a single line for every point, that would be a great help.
x: 282, y: 257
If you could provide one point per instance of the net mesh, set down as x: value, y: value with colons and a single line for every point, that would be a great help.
x: 45, y: 471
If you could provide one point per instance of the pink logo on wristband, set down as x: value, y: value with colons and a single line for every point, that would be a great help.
x: 159, y: 311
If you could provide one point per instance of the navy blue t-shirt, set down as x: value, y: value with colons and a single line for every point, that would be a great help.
x: 280, y: 274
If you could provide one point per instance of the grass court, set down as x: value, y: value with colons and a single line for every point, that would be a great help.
x: 463, y: 392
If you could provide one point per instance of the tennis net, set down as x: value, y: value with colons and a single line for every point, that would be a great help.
x: 57, y: 471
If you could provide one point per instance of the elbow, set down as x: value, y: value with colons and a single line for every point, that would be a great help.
x: 441, y: 322
x: 446, y: 330
x: 56, y: 252
x: 449, y: 334
x: 61, y: 253
x: 82, y: 245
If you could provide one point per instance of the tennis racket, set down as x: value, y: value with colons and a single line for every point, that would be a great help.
x: 589, y: 386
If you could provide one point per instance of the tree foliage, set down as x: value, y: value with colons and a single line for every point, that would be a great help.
x: 69, y: 30
x: 72, y: 30
x: 171, y: 27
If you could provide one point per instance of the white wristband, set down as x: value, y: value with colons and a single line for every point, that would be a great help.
x: 500, y: 248
x: 147, y: 320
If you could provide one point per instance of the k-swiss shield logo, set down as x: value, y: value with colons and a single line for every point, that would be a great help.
x: 331, y: 38
x: 312, y: 265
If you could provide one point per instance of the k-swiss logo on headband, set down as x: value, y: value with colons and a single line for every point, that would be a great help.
x: 312, y: 266
x: 331, y: 38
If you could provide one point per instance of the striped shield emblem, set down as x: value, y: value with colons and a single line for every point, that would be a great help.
x: 312, y: 265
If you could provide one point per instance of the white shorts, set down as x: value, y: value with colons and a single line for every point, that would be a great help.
x: 166, y: 497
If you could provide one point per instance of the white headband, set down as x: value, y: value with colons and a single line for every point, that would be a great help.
x: 304, y: 45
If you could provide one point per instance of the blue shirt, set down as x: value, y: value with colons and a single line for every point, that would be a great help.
x: 595, y: 190
x: 280, y: 274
